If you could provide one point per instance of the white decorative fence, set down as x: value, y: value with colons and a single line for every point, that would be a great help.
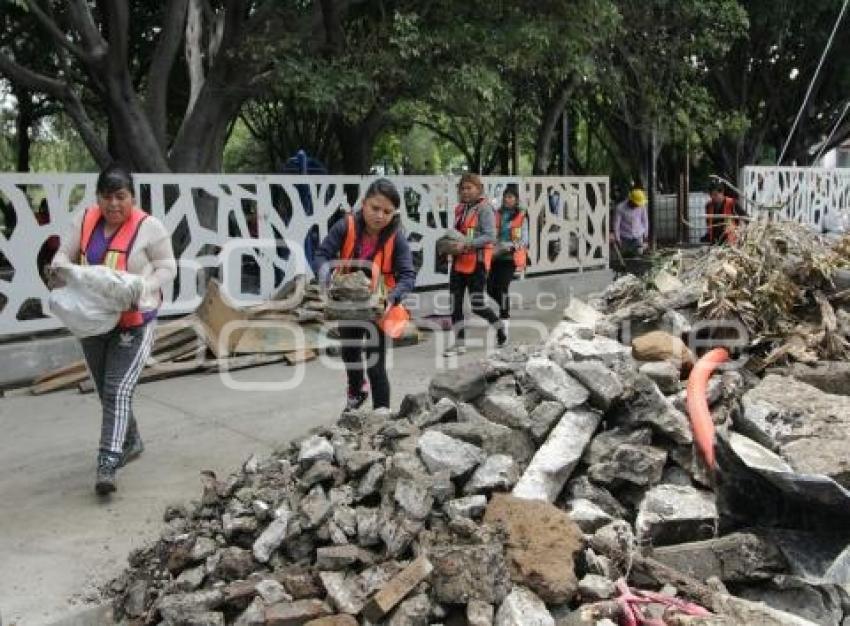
x: 806, y: 194
x: 257, y: 231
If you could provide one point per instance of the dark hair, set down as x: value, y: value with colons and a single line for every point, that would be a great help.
x: 512, y: 190
x: 114, y: 178
x: 470, y: 177
x: 717, y: 186
x: 384, y: 187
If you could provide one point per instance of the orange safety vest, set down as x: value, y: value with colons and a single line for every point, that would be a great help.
x: 117, y: 252
x: 520, y: 254
x: 395, y: 319
x: 728, y: 212
x: 467, y: 262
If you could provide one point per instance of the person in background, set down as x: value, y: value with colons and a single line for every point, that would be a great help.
x: 474, y: 218
x: 631, y: 223
x: 511, y: 252
x: 116, y: 233
x: 372, y: 235
x: 721, y: 216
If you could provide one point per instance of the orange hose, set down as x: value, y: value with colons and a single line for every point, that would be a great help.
x: 701, y: 423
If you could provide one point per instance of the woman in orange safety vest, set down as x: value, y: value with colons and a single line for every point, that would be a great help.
x: 370, y: 240
x: 474, y: 218
x: 116, y: 233
x: 511, y: 252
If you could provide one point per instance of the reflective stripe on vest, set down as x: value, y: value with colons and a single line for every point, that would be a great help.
x: 520, y: 255
x: 117, y: 252
x: 467, y: 262
x: 382, y: 262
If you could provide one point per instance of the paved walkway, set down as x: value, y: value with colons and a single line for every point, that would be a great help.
x: 59, y: 543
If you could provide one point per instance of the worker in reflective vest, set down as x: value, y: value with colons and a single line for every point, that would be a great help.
x: 510, y: 253
x: 722, y: 215
x: 474, y: 218
x: 114, y: 232
x: 371, y: 241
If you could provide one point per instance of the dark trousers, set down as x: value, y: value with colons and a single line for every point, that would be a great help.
x: 359, y: 338
x: 474, y: 283
x: 116, y: 360
x: 499, y: 284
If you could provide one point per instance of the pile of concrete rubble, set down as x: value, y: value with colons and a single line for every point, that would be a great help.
x: 551, y: 484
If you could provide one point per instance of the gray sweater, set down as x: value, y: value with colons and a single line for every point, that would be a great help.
x: 485, y: 229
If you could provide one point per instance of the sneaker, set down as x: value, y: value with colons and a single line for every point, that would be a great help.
x: 107, y: 466
x: 133, y: 448
x: 501, y: 334
x: 355, y: 399
x: 454, y: 350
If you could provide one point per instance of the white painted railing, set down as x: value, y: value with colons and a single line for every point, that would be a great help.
x: 211, y: 219
x: 808, y: 195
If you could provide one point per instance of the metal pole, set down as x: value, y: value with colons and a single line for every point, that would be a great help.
x: 565, y: 143
x: 652, y: 180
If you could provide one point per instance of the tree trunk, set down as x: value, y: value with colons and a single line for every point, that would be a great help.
x: 552, y: 111
x: 357, y: 141
x: 23, y: 125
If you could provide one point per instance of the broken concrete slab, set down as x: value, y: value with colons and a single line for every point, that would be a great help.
x: 604, y: 444
x: 543, y: 419
x: 551, y: 467
x: 664, y: 374
x: 315, y: 448
x: 470, y: 506
x: 522, y: 606
x: 505, y: 409
x: 498, y: 472
x: 461, y: 385
x: 737, y: 557
x: 587, y: 515
x: 469, y: 572
x: 443, y: 453
x: 272, y: 536
x: 414, y: 498
x: 479, y: 613
x: 581, y: 488
x: 635, y: 464
x: 490, y: 437
x: 806, y: 426
x: 541, y: 543
x: 334, y: 558
x: 671, y: 514
x: 554, y: 383
x: 649, y: 406
x: 604, y: 385
x: 593, y: 587
x: 829, y: 376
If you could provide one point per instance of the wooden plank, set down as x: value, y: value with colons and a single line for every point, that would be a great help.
x: 59, y: 382
x: 244, y: 361
x: 272, y: 337
x: 187, y: 349
x: 74, y: 368
x: 299, y: 356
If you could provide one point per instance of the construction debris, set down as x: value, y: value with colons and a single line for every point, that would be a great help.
x: 555, y: 484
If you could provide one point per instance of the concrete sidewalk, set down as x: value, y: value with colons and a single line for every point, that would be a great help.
x: 60, y: 543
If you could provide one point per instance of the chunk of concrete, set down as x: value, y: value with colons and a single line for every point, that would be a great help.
x: 807, y: 427
x: 649, y: 406
x: 470, y: 506
x: 664, y: 374
x: 635, y: 464
x: 521, y: 606
x: 670, y: 514
x: 505, y: 409
x: 272, y: 537
x: 461, y: 385
x: 587, y: 515
x: 604, y: 385
x: 315, y: 448
x: 554, y: 383
x: 738, y: 557
x: 498, y: 472
x: 544, y: 417
x: 443, y: 453
x: 551, y: 467
x: 605, y: 443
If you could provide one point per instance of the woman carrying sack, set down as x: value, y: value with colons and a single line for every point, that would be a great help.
x: 511, y: 252
x: 473, y: 218
x: 372, y: 241
x: 117, y: 234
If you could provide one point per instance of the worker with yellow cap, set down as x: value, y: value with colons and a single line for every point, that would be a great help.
x: 631, y: 223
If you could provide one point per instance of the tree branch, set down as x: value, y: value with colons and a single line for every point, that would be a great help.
x: 118, y: 21
x: 84, y: 23
x: 51, y: 27
x: 161, y: 65
x: 61, y: 91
